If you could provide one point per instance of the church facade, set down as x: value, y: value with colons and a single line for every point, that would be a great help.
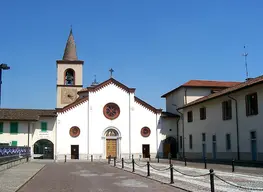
x: 105, y: 119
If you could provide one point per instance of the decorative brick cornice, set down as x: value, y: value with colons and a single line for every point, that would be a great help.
x: 72, y: 105
x: 147, y: 106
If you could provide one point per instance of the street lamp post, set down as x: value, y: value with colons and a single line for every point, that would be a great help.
x: 2, y: 67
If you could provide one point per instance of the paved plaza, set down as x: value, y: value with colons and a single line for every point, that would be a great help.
x: 78, y: 176
x: 90, y: 177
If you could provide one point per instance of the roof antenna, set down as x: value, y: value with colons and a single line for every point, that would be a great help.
x: 245, y: 54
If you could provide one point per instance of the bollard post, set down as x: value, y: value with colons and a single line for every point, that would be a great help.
x: 185, y: 164
x: 233, y: 165
x: 212, y: 184
x: 65, y: 159
x: 158, y: 158
x: 27, y: 158
x: 122, y: 163
x: 91, y: 158
x: 205, y: 162
x: 170, y: 158
x: 109, y: 159
x: 171, y: 174
x: 132, y: 156
x: 148, y: 168
x: 132, y: 165
x: 114, y: 161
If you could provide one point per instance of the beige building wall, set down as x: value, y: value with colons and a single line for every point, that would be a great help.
x: 62, y: 89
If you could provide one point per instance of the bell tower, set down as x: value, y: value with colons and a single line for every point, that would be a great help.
x: 69, y: 74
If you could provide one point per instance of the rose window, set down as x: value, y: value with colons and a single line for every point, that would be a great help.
x: 111, y: 111
x: 145, y: 132
x: 74, y: 131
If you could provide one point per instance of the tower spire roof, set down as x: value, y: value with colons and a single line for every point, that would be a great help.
x: 70, y: 52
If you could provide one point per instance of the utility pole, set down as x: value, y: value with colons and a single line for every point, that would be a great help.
x: 2, y: 67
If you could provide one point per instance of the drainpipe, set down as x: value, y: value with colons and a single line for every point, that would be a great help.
x: 177, y: 133
x: 237, y: 127
x: 28, y: 138
x: 156, y: 121
x: 182, y: 117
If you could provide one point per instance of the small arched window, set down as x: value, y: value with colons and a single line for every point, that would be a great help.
x: 69, y: 77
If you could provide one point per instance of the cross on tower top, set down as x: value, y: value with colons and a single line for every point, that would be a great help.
x: 111, y: 71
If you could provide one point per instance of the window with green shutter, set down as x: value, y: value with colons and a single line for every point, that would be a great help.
x: 14, y: 143
x: 13, y: 127
x: 44, y: 126
x: 1, y: 127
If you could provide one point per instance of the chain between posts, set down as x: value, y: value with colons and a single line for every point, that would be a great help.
x: 211, y: 174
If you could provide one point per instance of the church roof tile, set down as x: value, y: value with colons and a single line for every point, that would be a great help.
x: 70, y: 53
x: 204, y: 84
x: 238, y: 87
x: 25, y: 114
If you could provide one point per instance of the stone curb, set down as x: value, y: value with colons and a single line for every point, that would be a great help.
x: 21, y: 186
x: 151, y: 179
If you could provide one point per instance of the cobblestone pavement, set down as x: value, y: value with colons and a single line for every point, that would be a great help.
x: 217, y: 167
x: 11, y: 179
x: 187, y: 178
x: 90, y: 177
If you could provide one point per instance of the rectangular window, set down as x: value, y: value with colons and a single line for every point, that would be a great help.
x: 14, y: 127
x: 228, y: 141
x: 181, y: 142
x: 1, y: 127
x: 203, y: 137
x: 227, y: 110
x: 43, y: 126
x: 190, y: 116
x: 14, y: 143
x: 202, y: 113
x: 252, y: 104
x: 190, y: 141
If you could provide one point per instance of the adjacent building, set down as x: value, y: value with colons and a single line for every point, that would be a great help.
x: 218, y: 120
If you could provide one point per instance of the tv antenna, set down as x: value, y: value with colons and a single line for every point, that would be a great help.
x: 245, y: 54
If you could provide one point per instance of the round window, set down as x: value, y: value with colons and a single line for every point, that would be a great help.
x: 74, y: 131
x: 111, y: 111
x: 145, y: 131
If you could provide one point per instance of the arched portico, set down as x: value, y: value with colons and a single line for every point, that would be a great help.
x: 111, y: 137
x: 43, y: 149
x: 169, y: 146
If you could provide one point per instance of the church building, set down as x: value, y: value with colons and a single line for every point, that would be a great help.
x: 104, y: 119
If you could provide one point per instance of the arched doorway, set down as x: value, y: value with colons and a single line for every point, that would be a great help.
x: 44, y: 149
x: 112, y: 145
x: 169, y: 146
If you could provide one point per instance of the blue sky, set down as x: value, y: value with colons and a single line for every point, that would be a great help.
x: 152, y: 45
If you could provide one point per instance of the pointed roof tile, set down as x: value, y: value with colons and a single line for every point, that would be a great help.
x: 70, y: 53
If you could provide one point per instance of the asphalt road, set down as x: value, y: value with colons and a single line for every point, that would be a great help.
x: 90, y: 177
